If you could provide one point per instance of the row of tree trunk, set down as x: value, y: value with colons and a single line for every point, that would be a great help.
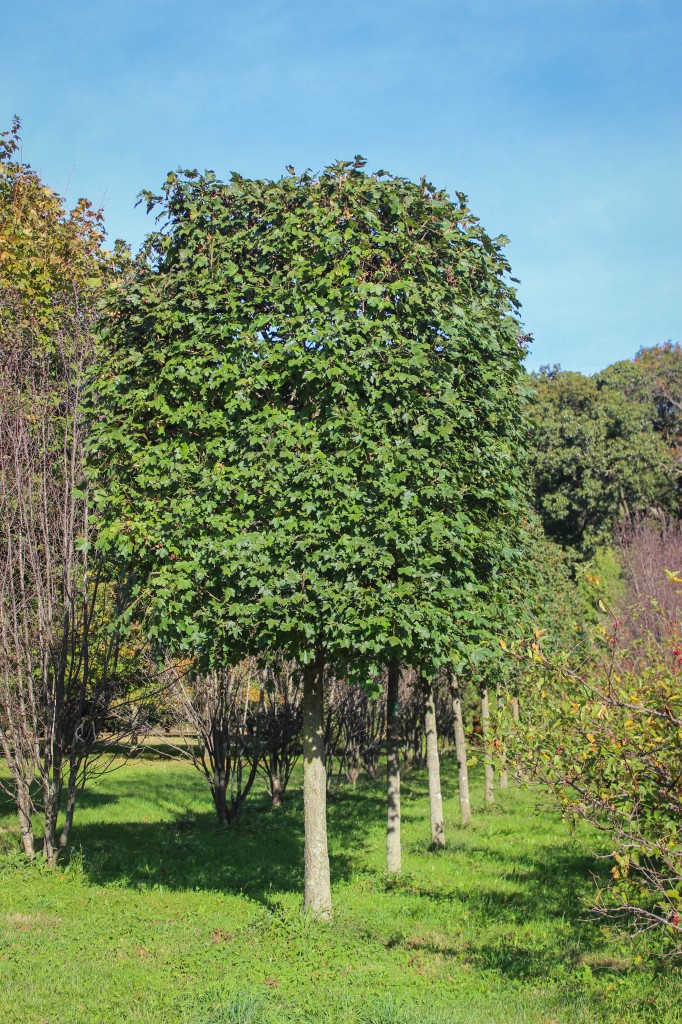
x: 317, y: 899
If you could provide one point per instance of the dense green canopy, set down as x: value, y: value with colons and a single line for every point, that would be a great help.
x: 596, y: 454
x: 307, y: 417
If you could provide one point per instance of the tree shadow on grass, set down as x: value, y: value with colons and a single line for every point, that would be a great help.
x: 89, y: 798
x: 260, y: 856
x: 533, y: 921
x: 548, y: 883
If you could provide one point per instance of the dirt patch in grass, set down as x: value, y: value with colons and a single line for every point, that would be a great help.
x: 25, y: 922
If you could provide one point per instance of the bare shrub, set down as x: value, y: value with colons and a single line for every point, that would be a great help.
x: 649, y: 549
x: 281, y: 726
x: 223, y: 708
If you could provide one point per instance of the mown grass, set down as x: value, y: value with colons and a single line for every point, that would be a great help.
x: 162, y: 917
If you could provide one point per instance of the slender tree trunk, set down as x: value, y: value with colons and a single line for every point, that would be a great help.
x: 25, y: 819
x: 515, y: 707
x: 353, y: 764
x: 393, y: 861
x: 433, y: 768
x: 487, y: 759
x: 70, y: 807
x: 504, y: 777
x: 50, y: 849
x: 276, y: 790
x: 461, y: 751
x: 219, y: 791
x: 318, y: 896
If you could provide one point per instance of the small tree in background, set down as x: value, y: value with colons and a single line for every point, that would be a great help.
x: 281, y: 726
x: 307, y: 433
x: 223, y: 710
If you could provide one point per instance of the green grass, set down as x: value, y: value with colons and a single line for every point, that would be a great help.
x: 161, y: 917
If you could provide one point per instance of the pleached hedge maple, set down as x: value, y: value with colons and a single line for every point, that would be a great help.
x: 307, y: 424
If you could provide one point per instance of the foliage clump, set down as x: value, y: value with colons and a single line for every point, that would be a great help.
x: 307, y: 424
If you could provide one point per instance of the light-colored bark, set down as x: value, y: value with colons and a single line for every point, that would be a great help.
x: 515, y: 708
x: 461, y: 751
x: 487, y: 759
x: 393, y: 855
x: 433, y: 768
x: 317, y: 888
x: 501, y: 706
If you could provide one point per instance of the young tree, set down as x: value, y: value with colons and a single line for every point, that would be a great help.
x: 433, y: 766
x: 489, y: 772
x: 58, y: 659
x: 281, y: 726
x: 223, y: 710
x: 460, y: 749
x: 307, y: 430
x: 604, y: 736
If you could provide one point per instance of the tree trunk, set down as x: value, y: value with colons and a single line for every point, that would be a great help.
x: 276, y: 790
x: 461, y: 751
x: 70, y: 807
x: 353, y: 763
x: 393, y: 861
x: 25, y: 820
x: 515, y: 708
x: 52, y: 792
x: 501, y: 704
x: 219, y: 793
x: 318, y: 896
x: 433, y: 768
x: 487, y: 759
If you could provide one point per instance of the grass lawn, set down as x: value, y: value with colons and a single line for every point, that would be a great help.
x: 162, y: 917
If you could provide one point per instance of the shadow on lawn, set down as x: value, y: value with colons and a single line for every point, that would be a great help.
x: 91, y: 798
x: 548, y: 889
x: 548, y: 883
x: 260, y: 856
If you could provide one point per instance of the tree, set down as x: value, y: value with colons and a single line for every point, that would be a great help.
x: 660, y: 367
x: 455, y: 683
x: 433, y: 766
x: 281, y: 726
x: 223, y: 709
x: 59, y: 669
x: 307, y: 430
x: 595, y: 455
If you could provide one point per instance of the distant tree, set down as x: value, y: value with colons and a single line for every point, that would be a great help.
x: 223, y: 711
x: 595, y: 454
x: 307, y: 432
x: 661, y: 368
x: 433, y: 765
x: 362, y: 722
x: 281, y: 727
x: 456, y: 695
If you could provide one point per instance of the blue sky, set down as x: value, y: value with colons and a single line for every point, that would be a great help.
x: 561, y: 120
